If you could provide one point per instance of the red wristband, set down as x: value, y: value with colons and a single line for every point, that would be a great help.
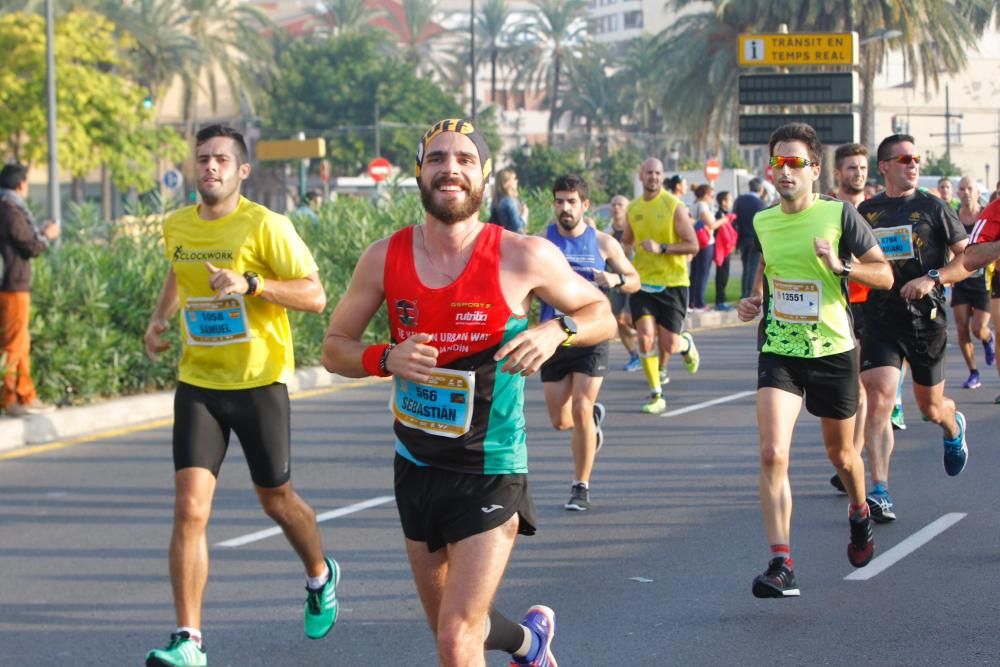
x: 371, y: 360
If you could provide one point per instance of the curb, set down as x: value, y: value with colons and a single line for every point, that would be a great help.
x: 73, y: 422
x: 122, y: 412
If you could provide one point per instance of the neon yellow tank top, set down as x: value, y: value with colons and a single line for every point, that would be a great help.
x: 654, y: 219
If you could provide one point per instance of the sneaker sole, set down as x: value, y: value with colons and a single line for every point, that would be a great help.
x: 837, y: 484
x: 575, y: 508
x: 765, y: 590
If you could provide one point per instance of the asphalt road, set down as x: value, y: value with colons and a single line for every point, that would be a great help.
x: 658, y: 573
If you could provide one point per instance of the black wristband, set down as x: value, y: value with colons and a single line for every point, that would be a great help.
x: 385, y: 359
x: 621, y: 277
x: 665, y: 248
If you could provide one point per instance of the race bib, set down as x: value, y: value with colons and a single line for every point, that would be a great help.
x: 440, y: 406
x: 796, y: 301
x: 210, y: 321
x: 896, y: 242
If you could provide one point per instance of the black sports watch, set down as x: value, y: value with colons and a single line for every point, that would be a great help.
x: 935, y: 275
x: 568, y: 325
x: 252, y: 282
x: 847, y: 267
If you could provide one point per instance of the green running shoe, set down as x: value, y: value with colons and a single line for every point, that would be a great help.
x: 655, y: 406
x: 179, y: 652
x: 321, y: 606
x: 897, y: 418
x: 691, y: 358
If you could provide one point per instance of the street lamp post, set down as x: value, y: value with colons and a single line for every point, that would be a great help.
x: 55, y: 210
x: 472, y: 54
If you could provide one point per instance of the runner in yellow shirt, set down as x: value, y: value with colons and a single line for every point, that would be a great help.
x: 235, y: 267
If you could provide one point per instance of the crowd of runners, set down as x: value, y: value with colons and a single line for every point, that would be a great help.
x: 850, y: 290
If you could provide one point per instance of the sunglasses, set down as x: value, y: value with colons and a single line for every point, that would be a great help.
x: 903, y: 159
x: 779, y: 161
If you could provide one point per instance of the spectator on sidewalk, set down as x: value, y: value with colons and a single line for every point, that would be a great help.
x: 20, y: 242
x: 746, y: 207
x: 724, y: 245
x: 507, y: 210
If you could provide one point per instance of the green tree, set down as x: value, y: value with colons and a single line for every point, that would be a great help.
x: 594, y: 97
x: 698, y: 87
x: 494, y: 28
x: 641, y: 86
x: 419, y: 35
x: 538, y: 165
x: 618, y: 171
x: 101, y: 117
x: 554, y: 37
x: 349, y: 16
x: 330, y: 87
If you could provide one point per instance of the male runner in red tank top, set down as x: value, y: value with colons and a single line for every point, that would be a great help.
x: 457, y: 292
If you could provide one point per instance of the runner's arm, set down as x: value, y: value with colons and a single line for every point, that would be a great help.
x: 872, y: 269
x: 342, y: 346
x: 159, y: 322
x: 688, y: 244
x: 305, y: 294
x: 541, y: 267
x: 750, y: 307
x: 623, y: 275
x: 978, y: 255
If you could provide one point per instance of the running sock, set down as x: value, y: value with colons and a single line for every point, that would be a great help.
x: 879, y: 486
x: 782, y: 551
x: 316, y: 583
x: 858, y: 512
x: 194, y: 634
x: 505, y: 635
x: 651, y: 369
x: 580, y: 482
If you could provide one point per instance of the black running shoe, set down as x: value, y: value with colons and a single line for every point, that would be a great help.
x: 861, y: 548
x: 777, y: 582
x: 837, y: 484
x: 579, y: 499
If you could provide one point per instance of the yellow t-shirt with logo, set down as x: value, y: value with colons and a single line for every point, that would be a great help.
x: 239, y: 342
x: 654, y: 219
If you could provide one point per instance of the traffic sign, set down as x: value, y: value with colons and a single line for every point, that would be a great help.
x: 816, y: 48
x: 769, y: 173
x: 832, y: 128
x: 379, y: 169
x: 291, y: 149
x: 172, y: 179
x: 713, y: 169
x: 811, y: 88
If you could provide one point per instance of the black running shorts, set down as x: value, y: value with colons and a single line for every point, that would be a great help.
x: 995, y: 285
x: 260, y: 417
x: 441, y: 507
x: 924, y: 349
x: 829, y: 384
x: 667, y: 308
x: 592, y: 361
x: 973, y: 294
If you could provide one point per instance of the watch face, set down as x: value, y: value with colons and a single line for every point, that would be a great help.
x: 569, y: 325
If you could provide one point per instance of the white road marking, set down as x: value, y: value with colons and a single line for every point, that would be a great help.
x: 325, y: 516
x: 708, y: 404
x: 906, y: 547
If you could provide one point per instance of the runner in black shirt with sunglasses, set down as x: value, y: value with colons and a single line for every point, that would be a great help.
x: 916, y: 232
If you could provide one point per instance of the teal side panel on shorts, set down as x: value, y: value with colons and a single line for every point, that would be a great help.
x: 505, y: 449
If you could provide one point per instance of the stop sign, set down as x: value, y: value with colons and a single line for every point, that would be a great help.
x: 769, y: 173
x: 713, y: 170
x: 379, y: 169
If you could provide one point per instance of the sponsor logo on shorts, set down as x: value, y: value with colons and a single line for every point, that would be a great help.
x: 491, y: 509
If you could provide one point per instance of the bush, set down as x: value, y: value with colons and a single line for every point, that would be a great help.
x: 93, y: 294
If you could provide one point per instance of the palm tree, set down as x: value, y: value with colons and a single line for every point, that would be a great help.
x: 418, y: 33
x: 641, y: 82
x: 554, y: 36
x: 700, y: 48
x: 161, y: 47
x: 494, y: 28
x: 230, y: 39
x: 349, y: 16
x: 596, y: 96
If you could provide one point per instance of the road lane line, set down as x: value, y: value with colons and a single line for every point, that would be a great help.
x: 906, y: 547
x: 325, y: 516
x: 708, y: 404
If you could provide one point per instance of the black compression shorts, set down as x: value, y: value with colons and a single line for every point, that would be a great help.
x: 260, y: 417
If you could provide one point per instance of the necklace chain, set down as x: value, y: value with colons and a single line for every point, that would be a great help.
x: 461, y: 249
